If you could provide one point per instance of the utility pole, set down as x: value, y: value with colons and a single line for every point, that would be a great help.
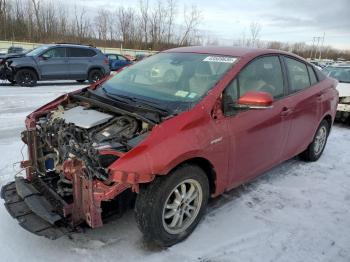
x: 321, y: 48
x: 316, y: 40
x: 312, y: 48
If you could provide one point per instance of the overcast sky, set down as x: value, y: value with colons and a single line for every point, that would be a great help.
x: 281, y: 20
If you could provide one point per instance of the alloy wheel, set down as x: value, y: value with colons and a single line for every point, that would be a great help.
x: 320, y: 140
x: 182, y: 206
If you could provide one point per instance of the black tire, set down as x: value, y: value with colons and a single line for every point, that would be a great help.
x: 151, y: 202
x: 95, y: 75
x: 81, y: 81
x: 26, y: 77
x: 314, y: 151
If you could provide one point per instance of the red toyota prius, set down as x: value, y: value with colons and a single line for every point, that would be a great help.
x: 173, y: 130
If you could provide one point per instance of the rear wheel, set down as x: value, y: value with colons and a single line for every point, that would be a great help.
x: 316, y: 148
x: 95, y: 75
x: 26, y: 77
x: 169, y: 209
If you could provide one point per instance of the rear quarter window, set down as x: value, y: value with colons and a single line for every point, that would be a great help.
x: 313, y: 78
x: 320, y: 75
x: 112, y: 57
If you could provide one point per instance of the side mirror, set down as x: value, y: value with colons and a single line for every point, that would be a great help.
x: 256, y: 100
x: 45, y: 57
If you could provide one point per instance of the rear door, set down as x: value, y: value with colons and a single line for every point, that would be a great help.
x: 304, y: 104
x: 80, y: 60
x: 53, y: 64
x: 258, y: 136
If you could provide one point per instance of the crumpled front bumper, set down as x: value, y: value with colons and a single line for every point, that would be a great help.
x: 6, y: 72
x: 2, y: 72
x: 32, y: 210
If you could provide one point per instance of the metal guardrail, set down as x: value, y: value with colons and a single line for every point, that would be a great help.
x: 4, y: 45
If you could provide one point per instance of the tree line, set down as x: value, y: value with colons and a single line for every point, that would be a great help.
x: 152, y: 24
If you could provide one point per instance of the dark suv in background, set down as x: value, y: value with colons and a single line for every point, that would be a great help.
x: 55, y: 62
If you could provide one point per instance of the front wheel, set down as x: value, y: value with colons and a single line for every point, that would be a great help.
x: 317, y: 146
x: 169, y: 209
x: 26, y: 77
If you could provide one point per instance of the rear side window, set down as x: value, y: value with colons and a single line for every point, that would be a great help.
x: 112, y: 57
x: 313, y: 78
x: 298, y: 75
x: 81, y: 52
x: 121, y: 58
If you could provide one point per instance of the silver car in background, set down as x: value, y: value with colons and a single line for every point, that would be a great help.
x: 342, y: 74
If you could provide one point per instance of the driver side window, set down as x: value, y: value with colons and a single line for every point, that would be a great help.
x: 263, y: 74
x: 55, y: 53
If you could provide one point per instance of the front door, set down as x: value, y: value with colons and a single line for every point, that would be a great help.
x: 257, y: 136
x: 53, y: 64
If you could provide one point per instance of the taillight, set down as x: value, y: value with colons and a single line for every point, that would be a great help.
x: 106, y: 61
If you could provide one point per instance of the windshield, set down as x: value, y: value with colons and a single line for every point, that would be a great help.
x: 37, y: 51
x: 342, y: 74
x: 170, y: 78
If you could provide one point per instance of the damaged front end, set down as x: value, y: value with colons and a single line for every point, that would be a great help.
x: 72, y: 142
x: 6, y: 71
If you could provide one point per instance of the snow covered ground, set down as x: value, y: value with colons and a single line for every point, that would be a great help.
x: 296, y: 212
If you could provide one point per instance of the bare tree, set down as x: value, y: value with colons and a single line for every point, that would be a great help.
x: 82, y: 24
x: 144, y: 21
x: 102, y: 24
x: 192, y: 20
x: 255, y: 29
x: 170, y: 20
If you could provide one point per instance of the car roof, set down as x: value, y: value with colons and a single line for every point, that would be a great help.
x: 339, y: 66
x: 227, y: 51
x: 70, y: 45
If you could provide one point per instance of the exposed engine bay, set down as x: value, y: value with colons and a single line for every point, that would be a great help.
x: 71, y: 179
x: 80, y: 131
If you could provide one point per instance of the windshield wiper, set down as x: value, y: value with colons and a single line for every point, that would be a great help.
x: 139, y: 103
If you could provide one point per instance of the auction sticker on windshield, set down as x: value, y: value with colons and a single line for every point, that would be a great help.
x: 181, y: 93
x: 220, y: 59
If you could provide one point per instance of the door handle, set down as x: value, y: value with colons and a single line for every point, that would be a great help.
x: 286, y: 111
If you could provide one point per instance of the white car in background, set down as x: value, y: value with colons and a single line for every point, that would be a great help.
x: 342, y: 74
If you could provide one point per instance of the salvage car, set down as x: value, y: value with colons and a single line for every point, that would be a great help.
x: 342, y: 74
x: 55, y: 62
x: 228, y: 116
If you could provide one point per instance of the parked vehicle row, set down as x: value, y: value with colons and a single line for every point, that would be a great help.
x: 224, y: 117
x: 341, y: 72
